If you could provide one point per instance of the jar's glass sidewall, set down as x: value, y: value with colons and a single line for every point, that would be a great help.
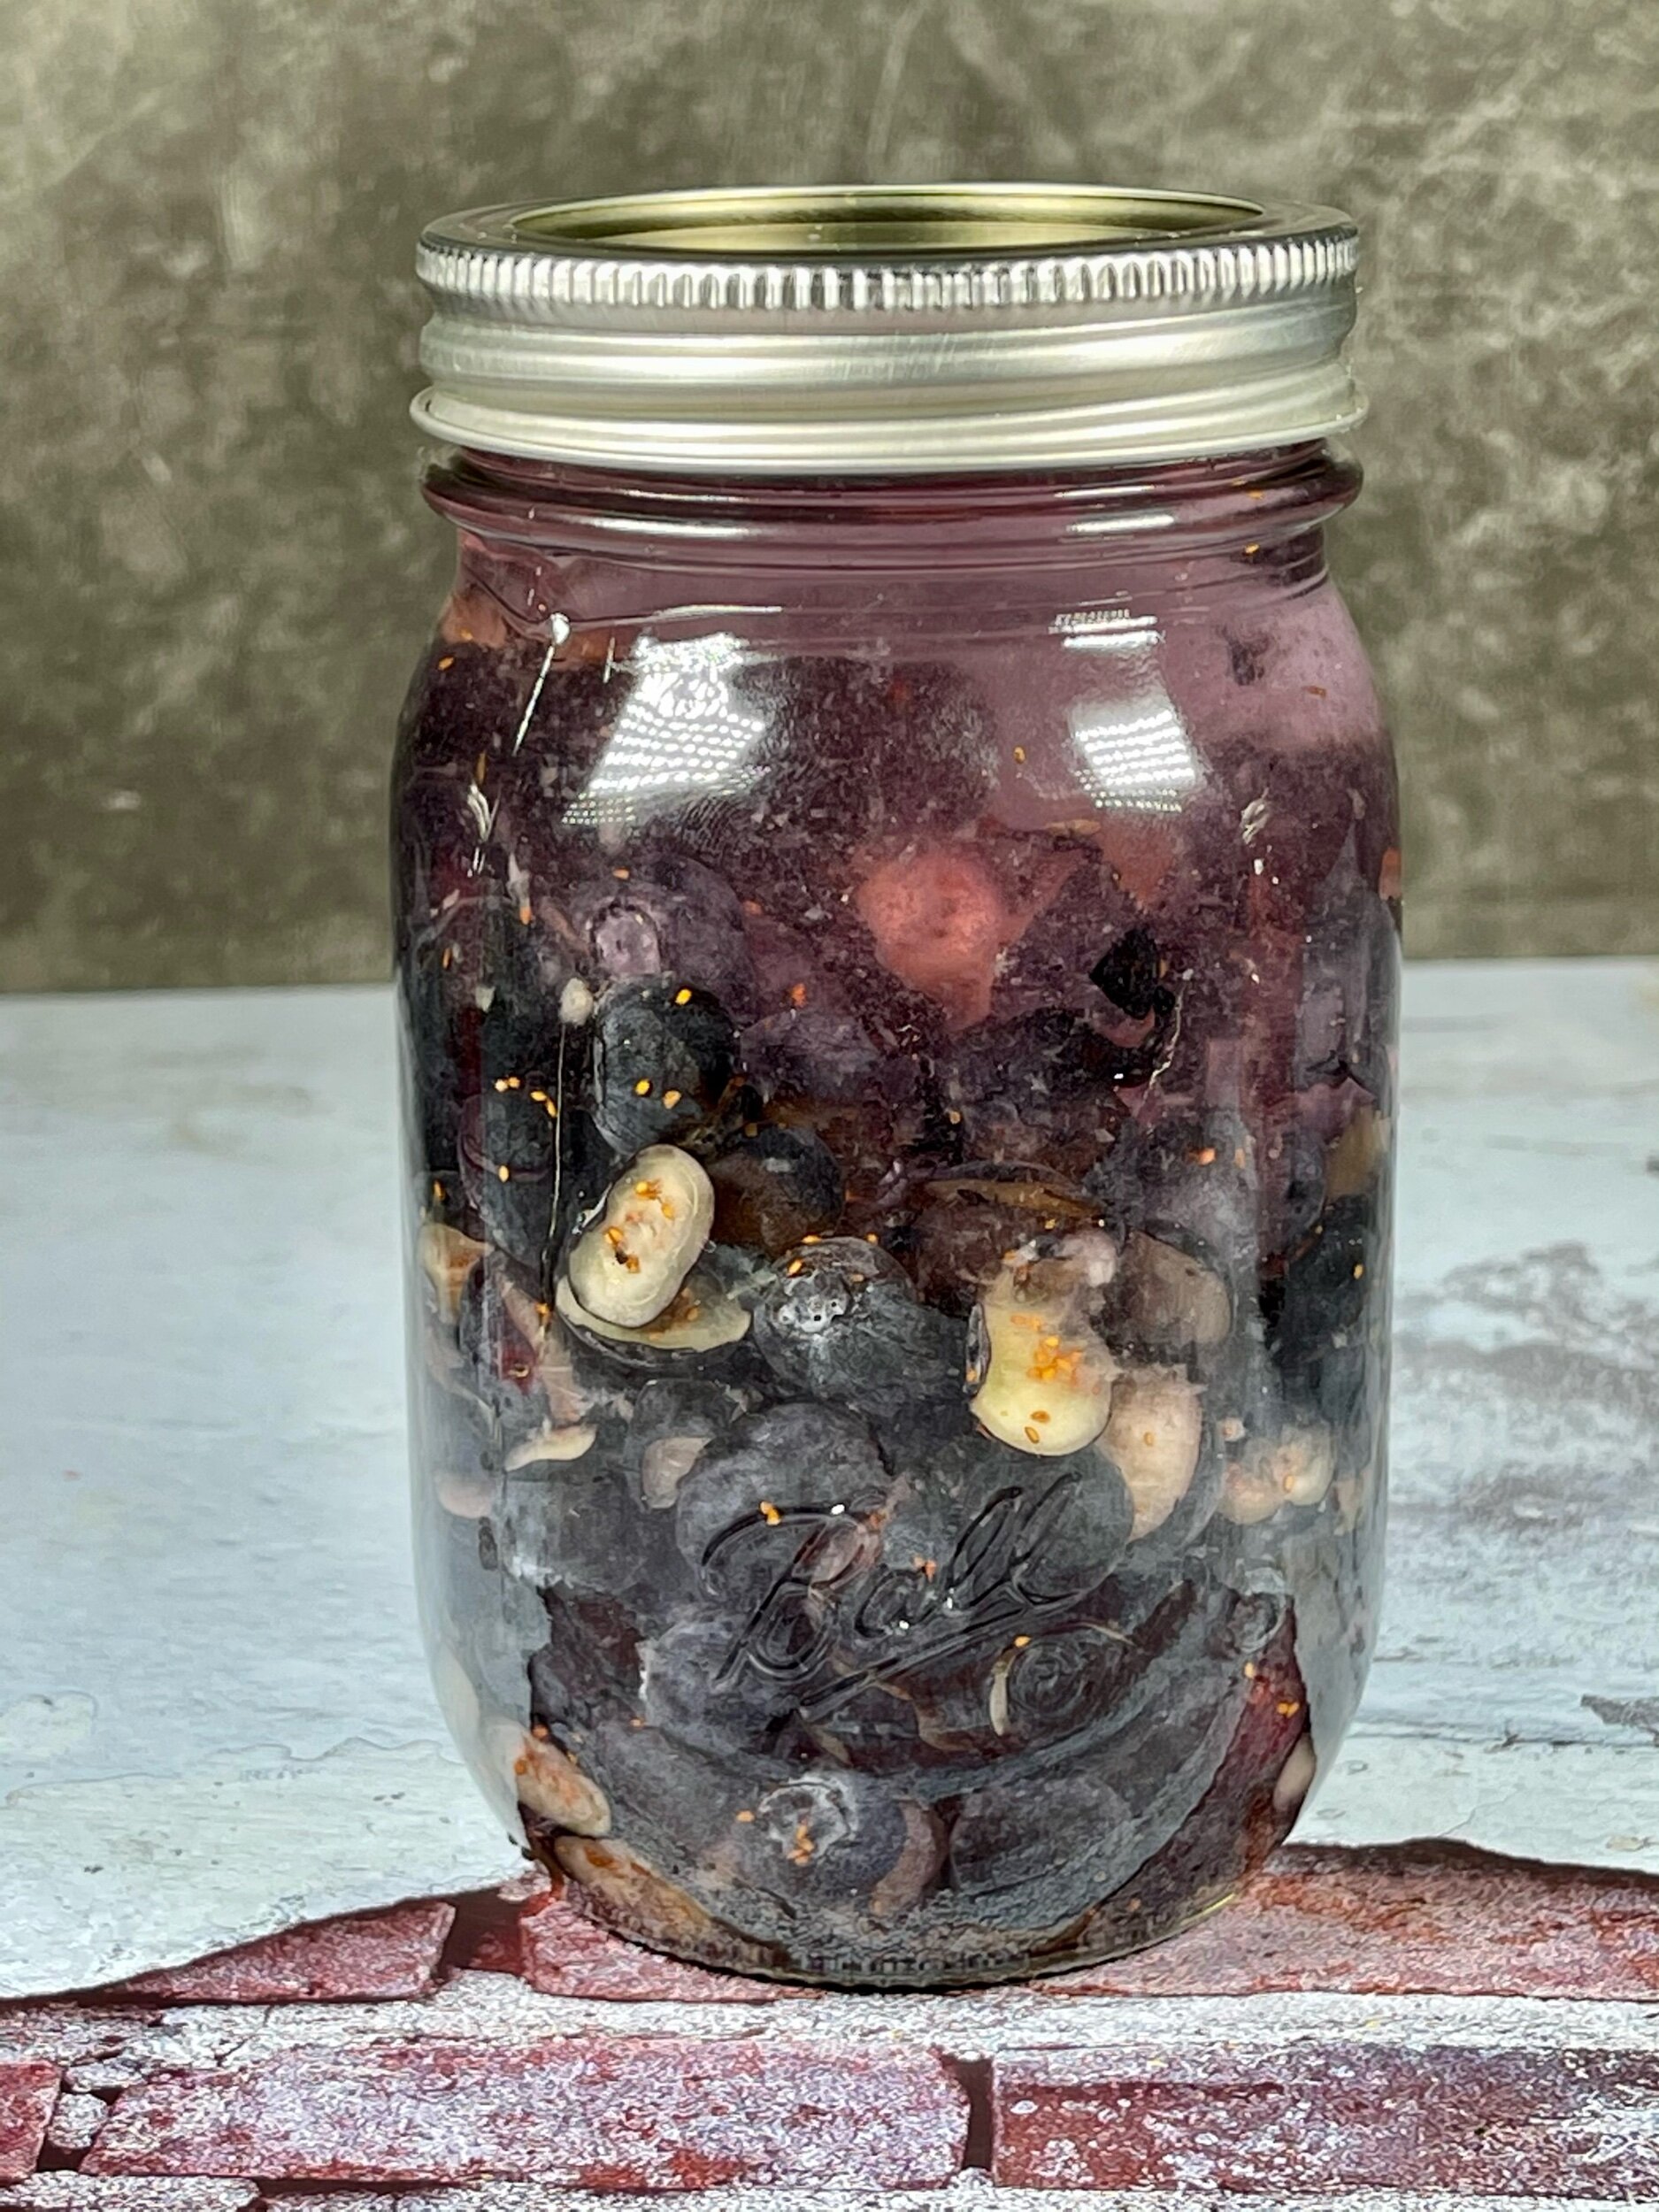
x: 899, y: 1085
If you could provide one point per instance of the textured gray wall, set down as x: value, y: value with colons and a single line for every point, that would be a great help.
x: 217, y: 570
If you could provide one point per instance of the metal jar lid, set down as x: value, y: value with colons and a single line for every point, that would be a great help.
x: 882, y: 330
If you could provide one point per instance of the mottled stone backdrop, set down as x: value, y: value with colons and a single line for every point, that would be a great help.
x: 217, y: 570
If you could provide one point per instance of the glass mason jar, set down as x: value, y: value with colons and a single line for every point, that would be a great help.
x: 897, y: 885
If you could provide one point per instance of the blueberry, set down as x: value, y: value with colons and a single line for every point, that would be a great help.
x: 819, y: 1073
x: 1045, y: 1688
x: 1026, y: 1851
x: 670, y: 1799
x: 509, y: 1148
x: 695, y: 1691
x: 785, y: 1497
x: 823, y: 1837
x: 808, y: 1054
x: 568, y: 1526
x: 662, y: 1058
x: 577, y: 1528
x: 666, y: 914
x: 842, y: 1324
x: 1350, y: 980
x: 1023, y: 1691
x: 1006, y: 1534
x: 775, y: 1187
x: 1293, y: 1169
x: 1319, y: 1332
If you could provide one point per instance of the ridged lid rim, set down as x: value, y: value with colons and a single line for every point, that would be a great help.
x: 872, y: 328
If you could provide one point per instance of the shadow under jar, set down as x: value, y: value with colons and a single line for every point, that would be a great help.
x: 896, y: 942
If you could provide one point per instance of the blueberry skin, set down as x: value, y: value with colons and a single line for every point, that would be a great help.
x: 664, y: 1052
x: 670, y: 916
x: 696, y: 1692
x: 995, y: 1521
x: 823, y: 1837
x: 508, y: 1146
x: 796, y: 1476
x: 841, y: 1323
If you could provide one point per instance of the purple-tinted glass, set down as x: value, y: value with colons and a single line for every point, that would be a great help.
x: 898, y: 985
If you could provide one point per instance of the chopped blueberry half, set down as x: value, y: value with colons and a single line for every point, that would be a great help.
x: 628, y: 1267
x: 700, y: 1323
x: 1041, y: 1376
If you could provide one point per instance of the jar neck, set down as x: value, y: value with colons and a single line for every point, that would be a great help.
x: 1255, y: 504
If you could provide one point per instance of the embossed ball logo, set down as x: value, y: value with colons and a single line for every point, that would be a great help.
x: 834, y: 1618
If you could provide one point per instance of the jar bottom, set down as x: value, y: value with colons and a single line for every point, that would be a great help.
x: 1253, y: 1803
x: 1121, y: 1932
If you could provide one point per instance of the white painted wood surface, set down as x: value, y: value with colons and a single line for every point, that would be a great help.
x: 214, y: 1717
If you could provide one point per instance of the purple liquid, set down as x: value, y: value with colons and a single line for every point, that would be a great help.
x: 899, y: 990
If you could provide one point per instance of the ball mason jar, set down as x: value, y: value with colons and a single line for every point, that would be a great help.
x: 897, y: 945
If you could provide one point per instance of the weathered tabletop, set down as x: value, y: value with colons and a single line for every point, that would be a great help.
x: 214, y: 1716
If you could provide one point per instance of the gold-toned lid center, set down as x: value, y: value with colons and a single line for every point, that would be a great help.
x: 904, y: 222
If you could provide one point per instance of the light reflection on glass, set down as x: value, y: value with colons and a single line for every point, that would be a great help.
x: 1134, y: 755
x: 680, y: 731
